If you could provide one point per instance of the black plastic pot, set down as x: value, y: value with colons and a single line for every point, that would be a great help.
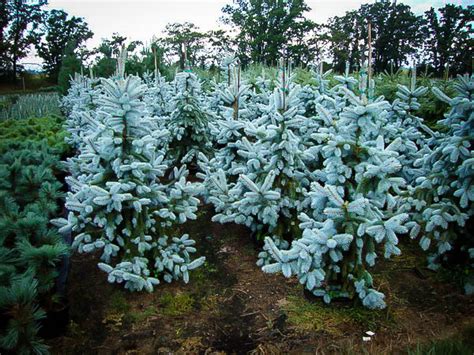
x: 57, y: 318
x: 56, y: 322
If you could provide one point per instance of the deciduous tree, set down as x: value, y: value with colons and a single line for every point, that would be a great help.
x: 268, y: 28
x: 58, y: 31
x: 395, y: 35
x: 19, y: 21
x: 449, y: 38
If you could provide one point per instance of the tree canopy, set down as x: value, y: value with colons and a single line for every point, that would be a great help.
x: 396, y: 35
x: 58, y: 30
x: 258, y: 31
x: 449, y: 38
x: 268, y: 29
x: 19, y: 22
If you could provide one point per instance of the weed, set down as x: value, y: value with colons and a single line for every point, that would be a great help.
x: 460, y: 344
x: 140, y: 316
x: 331, y: 319
x: 118, y: 303
x: 175, y: 305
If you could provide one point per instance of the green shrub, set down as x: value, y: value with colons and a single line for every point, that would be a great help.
x: 14, y: 134
x: 30, y: 250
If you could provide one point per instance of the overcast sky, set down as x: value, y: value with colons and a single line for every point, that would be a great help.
x: 141, y: 19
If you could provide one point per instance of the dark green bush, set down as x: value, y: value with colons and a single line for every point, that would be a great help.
x: 14, y: 133
x: 30, y: 248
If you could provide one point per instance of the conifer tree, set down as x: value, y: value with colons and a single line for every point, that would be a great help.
x: 77, y: 104
x: 30, y: 251
x: 415, y: 135
x: 262, y: 190
x: 229, y: 129
x: 442, y: 195
x: 352, y: 207
x: 188, y: 123
x: 121, y: 202
x: 158, y: 95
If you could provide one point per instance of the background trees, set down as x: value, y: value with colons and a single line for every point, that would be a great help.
x: 58, y: 30
x: 218, y: 42
x: 24, y: 25
x: 259, y: 31
x: 106, y: 52
x: 70, y: 64
x: 19, y: 22
x: 399, y: 37
x: 449, y: 38
x: 183, y: 39
x: 396, y: 35
x: 4, y: 19
x: 268, y: 29
x: 395, y: 31
x: 344, y: 37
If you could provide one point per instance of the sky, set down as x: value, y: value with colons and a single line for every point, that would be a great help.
x: 142, y: 19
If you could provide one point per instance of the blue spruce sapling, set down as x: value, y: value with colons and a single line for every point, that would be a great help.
x: 120, y: 200
x: 351, y: 210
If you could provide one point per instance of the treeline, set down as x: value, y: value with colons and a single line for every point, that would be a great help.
x: 437, y: 39
x: 25, y: 25
x: 262, y: 31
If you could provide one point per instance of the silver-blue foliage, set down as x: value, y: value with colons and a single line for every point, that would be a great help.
x: 125, y: 201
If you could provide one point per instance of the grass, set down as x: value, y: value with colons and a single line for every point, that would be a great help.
x: 443, y: 347
x: 118, y: 303
x: 202, y: 276
x: 330, y: 319
x: 460, y: 344
x: 138, y: 317
x: 175, y: 305
x: 119, y: 311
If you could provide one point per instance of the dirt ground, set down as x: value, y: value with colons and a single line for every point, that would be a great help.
x: 231, y: 306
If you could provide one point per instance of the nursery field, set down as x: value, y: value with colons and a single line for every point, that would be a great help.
x: 266, y: 211
x: 14, y: 106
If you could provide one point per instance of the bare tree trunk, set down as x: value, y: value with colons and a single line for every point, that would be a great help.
x: 14, y: 70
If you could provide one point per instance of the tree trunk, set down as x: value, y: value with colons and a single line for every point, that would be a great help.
x: 14, y: 70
